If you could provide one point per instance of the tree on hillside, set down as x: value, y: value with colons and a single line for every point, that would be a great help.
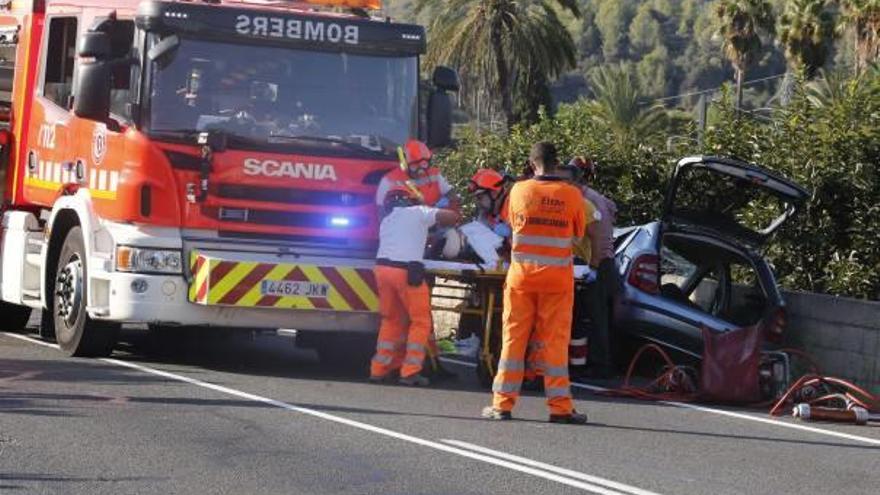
x: 613, y: 18
x: 806, y: 31
x: 862, y: 19
x: 741, y: 23
x: 645, y: 32
x: 621, y: 108
x: 497, y: 41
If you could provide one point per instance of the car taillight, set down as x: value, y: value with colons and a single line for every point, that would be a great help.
x: 776, y: 325
x: 645, y: 273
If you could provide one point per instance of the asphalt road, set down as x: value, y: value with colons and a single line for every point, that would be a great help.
x: 251, y: 417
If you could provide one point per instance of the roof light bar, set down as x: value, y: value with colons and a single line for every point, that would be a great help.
x: 355, y: 4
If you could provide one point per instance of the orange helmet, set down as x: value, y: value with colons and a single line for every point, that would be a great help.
x: 486, y: 179
x: 417, y: 152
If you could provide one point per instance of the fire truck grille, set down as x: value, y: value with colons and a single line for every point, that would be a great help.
x: 292, y: 196
x: 290, y: 219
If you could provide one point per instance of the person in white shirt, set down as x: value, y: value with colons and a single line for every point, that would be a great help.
x: 404, y: 296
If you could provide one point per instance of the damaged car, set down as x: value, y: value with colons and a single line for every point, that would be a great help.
x: 702, y: 264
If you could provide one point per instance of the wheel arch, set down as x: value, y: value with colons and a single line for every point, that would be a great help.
x: 67, y: 213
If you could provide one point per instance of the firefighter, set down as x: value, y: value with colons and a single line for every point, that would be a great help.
x: 600, y: 301
x: 419, y: 175
x: 404, y: 297
x: 491, y: 191
x: 546, y: 215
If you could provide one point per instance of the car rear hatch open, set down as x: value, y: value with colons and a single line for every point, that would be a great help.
x: 731, y: 198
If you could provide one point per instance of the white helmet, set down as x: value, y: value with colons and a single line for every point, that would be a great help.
x: 455, y: 244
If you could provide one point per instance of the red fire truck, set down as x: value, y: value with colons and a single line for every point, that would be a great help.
x: 204, y: 163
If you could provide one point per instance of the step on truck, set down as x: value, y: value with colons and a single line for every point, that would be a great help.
x: 201, y: 163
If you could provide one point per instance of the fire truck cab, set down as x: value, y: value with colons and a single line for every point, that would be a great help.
x: 200, y: 163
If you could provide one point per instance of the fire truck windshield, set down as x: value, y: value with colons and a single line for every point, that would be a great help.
x: 262, y: 97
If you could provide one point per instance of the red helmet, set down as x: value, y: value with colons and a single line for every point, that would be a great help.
x: 486, y: 179
x: 417, y: 152
x: 585, y: 165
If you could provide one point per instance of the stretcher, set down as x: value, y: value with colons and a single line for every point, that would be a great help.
x: 482, y: 287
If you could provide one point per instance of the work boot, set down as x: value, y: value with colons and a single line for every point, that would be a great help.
x: 416, y: 380
x: 380, y: 379
x: 490, y: 412
x: 575, y: 418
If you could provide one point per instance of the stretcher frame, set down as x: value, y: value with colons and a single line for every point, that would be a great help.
x: 488, y: 284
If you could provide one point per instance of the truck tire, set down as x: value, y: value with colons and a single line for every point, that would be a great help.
x: 77, y: 334
x: 15, y: 318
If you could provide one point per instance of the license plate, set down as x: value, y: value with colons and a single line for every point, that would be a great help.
x: 285, y: 288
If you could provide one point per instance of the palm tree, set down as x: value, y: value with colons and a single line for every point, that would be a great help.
x: 741, y: 23
x: 620, y: 107
x: 862, y: 17
x: 806, y: 31
x: 497, y: 41
x: 831, y: 89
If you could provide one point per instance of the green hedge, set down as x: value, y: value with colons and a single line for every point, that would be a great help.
x: 831, y: 149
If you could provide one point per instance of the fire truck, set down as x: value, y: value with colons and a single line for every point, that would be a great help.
x: 202, y: 163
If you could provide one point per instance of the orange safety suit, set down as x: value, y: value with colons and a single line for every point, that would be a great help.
x: 547, y: 216
x: 406, y: 323
x: 430, y: 185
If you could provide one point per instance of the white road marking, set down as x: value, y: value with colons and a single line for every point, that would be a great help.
x: 614, y: 485
x: 540, y: 473
x: 722, y: 412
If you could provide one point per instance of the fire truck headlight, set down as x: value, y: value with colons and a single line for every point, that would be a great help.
x: 340, y: 222
x: 140, y: 260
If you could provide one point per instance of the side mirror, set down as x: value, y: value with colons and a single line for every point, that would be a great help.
x: 92, y: 91
x: 93, y: 81
x: 95, y: 44
x: 440, y: 107
x: 439, y: 120
x: 445, y: 79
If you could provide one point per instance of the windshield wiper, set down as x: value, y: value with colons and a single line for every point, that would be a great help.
x: 188, y: 135
x: 327, y: 140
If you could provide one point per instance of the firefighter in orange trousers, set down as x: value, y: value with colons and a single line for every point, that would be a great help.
x: 491, y: 191
x: 547, y: 216
x: 404, y: 296
x: 417, y: 174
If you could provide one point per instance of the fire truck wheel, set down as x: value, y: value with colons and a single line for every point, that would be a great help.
x: 77, y: 334
x: 15, y: 318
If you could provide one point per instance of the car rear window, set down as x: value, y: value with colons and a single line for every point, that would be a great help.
x: 725, y: 202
